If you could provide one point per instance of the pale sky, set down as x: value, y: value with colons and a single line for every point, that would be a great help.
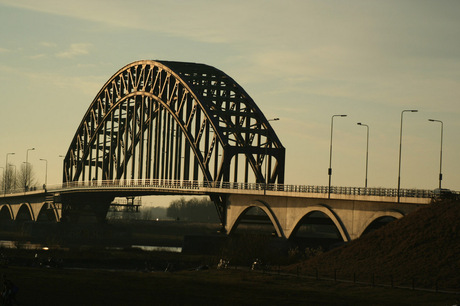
x: 300, y: 60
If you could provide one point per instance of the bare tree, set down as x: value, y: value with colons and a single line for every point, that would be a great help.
x: 26, y: 177
x: 9, y: 179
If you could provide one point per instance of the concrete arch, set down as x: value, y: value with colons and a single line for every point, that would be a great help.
x: 25, y: 213
x: 47, y: 212
x: 266, y: 209
x: 380, y: 214
x: 56, y: 211
x: 328, y: 212
x: 6, y: 213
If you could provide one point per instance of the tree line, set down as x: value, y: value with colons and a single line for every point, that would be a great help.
x: 195, y: 209
x: 18, y: 179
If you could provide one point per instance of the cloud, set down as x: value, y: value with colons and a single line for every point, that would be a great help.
x: 37, y: 56
x: 47, y: 44
x: 75, y: 50
x: 87, y: 85
x: 3, y: 50
x: 198, y: 20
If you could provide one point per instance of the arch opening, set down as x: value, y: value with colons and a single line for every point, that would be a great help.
x: 254, y: 220
x: 46, y: 214
x: 5, y: 214
x: 378, y: 223
x: 314, y: 230
x: 24, y: 214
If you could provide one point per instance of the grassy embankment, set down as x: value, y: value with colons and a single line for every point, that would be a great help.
x: 421, y: 250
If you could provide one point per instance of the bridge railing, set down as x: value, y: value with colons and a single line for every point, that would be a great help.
x: 188, y: 185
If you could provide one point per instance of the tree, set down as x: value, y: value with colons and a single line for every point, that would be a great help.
x: 199, y: 210
x: 26, y: 177
x: 9, y: 179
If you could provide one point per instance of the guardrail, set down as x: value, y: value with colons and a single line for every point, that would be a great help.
x: 187, y: 185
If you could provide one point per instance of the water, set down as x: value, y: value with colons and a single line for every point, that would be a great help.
x: 8, y: 244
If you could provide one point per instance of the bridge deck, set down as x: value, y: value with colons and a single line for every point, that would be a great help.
x: 170, y: 187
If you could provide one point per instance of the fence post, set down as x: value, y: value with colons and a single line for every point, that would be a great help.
x: 354, y: 277
x: 373, y: 279
x: 317, y: 275
x: 335, y: 275
x: 391, y: 279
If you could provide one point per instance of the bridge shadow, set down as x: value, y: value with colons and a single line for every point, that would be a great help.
x: 254, y: 221
x: 378, y: 223
x: 316, y: 230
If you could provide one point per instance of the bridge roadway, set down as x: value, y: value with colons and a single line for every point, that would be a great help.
x: 351, y: 209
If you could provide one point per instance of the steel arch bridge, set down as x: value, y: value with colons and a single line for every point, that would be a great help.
x: 174, y: 121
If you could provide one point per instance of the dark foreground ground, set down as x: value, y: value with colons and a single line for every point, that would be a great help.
x: 421, y: 250
x: 51, y: 286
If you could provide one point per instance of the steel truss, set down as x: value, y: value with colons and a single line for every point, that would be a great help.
x: 174, y: 121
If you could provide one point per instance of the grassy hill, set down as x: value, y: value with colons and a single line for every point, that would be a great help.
x: 421, y: 249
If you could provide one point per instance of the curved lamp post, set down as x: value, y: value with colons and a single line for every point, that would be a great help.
x: 400, y: 146
x: 3, y: 173
x: 5, y: 170
x: 329, y: 171
x: 367, y: 150
x: 440, y: 155
x: 26, y: 182
x: 14, y: 176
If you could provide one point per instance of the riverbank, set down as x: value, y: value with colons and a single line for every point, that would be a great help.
x: 113, y: 233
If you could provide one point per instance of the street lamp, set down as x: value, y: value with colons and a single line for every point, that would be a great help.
x: 26, y: 183
x: 266, y: 161
x: 46, y: 170
x: 5, y: 170
x: 329, y: 171
x: 440, y: 155
x: 367, y: 150
x: 400, y: 146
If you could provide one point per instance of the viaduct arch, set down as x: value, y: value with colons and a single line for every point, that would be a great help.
x: 286, y: 214
x: 29, y: 211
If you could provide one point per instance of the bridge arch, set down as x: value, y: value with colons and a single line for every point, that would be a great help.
x: 25, y: 213
x: 328, y: 212
x: 266, y: 209
x: 176, y: 121
x: 395, y: 214
x: 47, y: 213
x: 6, y: 213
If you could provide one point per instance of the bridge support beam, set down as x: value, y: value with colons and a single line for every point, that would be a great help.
x: 221, y: 205
x: 88, y: 208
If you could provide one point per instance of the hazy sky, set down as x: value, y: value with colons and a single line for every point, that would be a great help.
x: 302, y: 61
